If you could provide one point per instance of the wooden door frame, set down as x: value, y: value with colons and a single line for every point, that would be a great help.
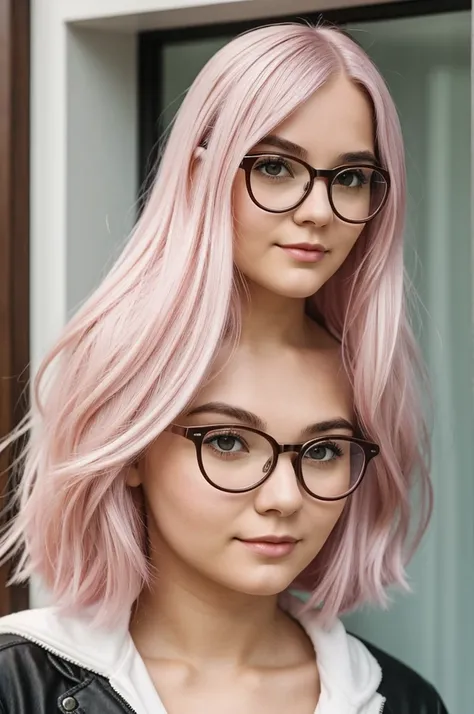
x: 14, y: 241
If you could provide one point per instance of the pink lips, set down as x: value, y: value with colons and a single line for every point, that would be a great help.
x: 305, y: 252
x: 271, y: 546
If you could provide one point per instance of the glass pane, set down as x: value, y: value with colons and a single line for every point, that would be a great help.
x: 426, y: 63
x: 182, y: 61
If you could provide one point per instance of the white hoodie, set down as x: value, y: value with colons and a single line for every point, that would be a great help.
x: 349, y: 674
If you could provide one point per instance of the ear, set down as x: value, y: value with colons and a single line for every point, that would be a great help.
x: 196, y: 161
x: 198, y: 152
x: 133, y: 476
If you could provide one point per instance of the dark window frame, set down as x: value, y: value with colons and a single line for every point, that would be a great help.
x: 14, y: 245
x: 150, y: 59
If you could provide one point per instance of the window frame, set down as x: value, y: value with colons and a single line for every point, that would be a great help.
x: 14, y: 247
x: 150, y: 60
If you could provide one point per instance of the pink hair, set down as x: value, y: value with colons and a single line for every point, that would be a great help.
x: 134, y: 355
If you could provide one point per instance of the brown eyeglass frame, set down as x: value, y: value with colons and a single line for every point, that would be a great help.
x: 197, y: 434
x: 330, y: 175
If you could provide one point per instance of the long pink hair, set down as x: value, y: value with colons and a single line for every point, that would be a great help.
x: 134, y: 355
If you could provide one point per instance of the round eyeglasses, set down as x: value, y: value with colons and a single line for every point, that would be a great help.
x: 278, y: 183
x: 237, y: 459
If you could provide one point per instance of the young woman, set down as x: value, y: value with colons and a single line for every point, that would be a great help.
x: 233, y: 415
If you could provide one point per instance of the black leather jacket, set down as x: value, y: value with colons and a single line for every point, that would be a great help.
x: 34, y: 681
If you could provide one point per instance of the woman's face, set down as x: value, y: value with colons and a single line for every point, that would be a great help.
x: 334, y: 123
x: 197, y: 532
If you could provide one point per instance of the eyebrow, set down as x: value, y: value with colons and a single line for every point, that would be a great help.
x: 351, y: 157
x: 251, y: 419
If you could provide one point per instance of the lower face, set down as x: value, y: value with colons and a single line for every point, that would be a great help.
x: 197, y: 533
x: 336, y: 120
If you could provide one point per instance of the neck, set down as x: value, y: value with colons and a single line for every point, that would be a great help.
x: 270, y: 320
x: 184, y: 617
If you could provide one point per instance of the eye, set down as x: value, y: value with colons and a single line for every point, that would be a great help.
x: 226, y: 443
x: 274, y: 167
x: 352, y: 178
x: 329, y: 451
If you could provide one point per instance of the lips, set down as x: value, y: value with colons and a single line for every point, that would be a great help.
x: 310, y: 247
x: 273, y: 547
x: 305, y: 252
x: 270, y: 539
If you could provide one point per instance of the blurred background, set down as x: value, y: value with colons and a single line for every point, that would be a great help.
x: 87, y: 89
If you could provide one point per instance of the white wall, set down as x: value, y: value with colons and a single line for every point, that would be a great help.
x: 101, y: 154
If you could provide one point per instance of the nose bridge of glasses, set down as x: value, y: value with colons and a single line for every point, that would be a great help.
x: 286, y: 448
x: 325, y: 175
x: 317, y: 176
x: 314, y: 191
x: 293, y: 449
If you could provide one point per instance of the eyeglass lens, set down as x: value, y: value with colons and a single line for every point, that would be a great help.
x: 279, y: 183
x: 236, y: 459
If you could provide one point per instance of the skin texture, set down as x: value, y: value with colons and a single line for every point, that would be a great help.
x: 209, y: 628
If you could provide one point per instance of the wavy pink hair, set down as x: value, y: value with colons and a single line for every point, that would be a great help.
x: 134, y: 355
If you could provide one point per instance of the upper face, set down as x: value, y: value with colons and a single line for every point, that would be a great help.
x: 336, y: 121
x: 195, y: 530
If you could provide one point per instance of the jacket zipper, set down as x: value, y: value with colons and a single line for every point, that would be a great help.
x: 73, y: 661
x: 101, y: 674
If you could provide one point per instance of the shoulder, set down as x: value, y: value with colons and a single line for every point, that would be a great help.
x: 404, y: 689
x: 32, y: 679
x: 19, y: 654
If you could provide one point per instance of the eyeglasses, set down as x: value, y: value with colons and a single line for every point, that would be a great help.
x: 236, y: 459
x: 278, y: 183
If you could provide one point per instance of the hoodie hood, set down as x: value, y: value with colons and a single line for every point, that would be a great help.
x: 349, y: 674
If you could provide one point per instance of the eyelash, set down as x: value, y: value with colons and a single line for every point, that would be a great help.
x: 332, y: 445
x: 234, y: 434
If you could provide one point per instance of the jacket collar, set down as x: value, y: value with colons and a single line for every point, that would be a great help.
x: 74, y: 638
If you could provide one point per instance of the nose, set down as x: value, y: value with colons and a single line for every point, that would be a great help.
x: 281, y: 493
x: 316, y: 207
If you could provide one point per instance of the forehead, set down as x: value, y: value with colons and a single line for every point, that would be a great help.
x: 337, y: 118
x: 287, y: 391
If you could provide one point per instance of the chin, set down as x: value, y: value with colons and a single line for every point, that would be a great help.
x: 265, y: 585
x: 298, y: 290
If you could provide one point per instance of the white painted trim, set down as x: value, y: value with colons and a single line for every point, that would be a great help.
x: 136, y: 15
x: 101, y: 159
x: 48, y: 177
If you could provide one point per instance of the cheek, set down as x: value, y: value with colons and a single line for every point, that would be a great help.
x: 342, y: 239
x: 252, y: 227
x: 322, y: 518
x: 346, y: 236
x: 186, y: 511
